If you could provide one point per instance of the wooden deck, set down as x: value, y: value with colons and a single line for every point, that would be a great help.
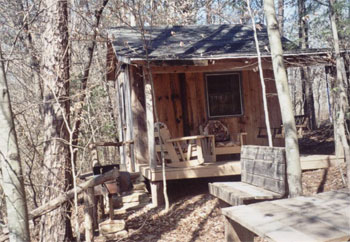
x: 229, y: 168
x: 222, y: 168
x: 311, y: 162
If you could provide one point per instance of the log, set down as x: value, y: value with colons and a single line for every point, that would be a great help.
x: 111, y: 143
x: 51, y: 205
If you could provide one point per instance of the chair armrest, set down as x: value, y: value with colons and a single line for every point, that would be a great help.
x: 241, y: 135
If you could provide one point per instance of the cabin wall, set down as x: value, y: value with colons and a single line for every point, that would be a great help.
x: 181, y: 104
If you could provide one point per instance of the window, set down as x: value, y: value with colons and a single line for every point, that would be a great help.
x: 224, y: 96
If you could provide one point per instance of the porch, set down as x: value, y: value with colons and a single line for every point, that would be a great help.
x: 229, y: 168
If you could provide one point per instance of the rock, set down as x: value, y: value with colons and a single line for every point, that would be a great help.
x: 135, y: 197
x: 111, y: 226
x: 116, y: 236
x: 140, y: 186
x: 131, y: 206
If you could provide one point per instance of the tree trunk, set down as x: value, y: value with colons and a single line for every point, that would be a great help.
x: 281, y: 15
x: 262, y: 80
x: 55, y: 226
x: 309, y: 105
x: 309, y: 108
x: 85, y: 75
x: 208, y: 12
x: 341, y: 102
x: 12, y: 184
x: 291, y: 140
x: 30, y: 52
x: 303, y: 29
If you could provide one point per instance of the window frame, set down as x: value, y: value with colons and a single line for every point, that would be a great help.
x: 239, y: 74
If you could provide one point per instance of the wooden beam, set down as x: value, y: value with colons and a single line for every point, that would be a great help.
x: 157, y: 193
x: 174, y: 62
x: 205, y: 170
x: 213, y: 66
x: 55, y: 203
x: 120, y: 123
x: 149, y: 118
x: 129, y: 148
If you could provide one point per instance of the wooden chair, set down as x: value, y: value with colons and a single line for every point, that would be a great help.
x: 225, y: 143
x: 301, y: 124
x: 184, y: 151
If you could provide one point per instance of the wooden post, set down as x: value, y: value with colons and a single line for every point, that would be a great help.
x: 120, y: 122
x: 110, y: 206
x: 130, y: 163
x: 94, y: 155
x: 157, y: 193
x: 150, y: 120
x: 89, y: 202
x: 156, y: 190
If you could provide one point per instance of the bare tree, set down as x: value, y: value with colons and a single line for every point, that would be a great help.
x: 291, y: 139
x: 261, y: 73
x: 309, y: 107
x: 55, y: 226
x: 281, y: 15
x: 341, y: 102
x: 12, y: 183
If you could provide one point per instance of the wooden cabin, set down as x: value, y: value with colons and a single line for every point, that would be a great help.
x: 185, y: 77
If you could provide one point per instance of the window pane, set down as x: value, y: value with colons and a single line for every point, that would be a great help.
x: 224, y: 95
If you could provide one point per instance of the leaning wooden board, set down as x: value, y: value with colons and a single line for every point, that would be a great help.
x: 323, y: 217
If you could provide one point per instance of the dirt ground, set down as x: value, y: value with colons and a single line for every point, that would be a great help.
x: 195, y: 215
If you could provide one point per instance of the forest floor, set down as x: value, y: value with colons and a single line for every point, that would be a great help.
x: 194, y: 215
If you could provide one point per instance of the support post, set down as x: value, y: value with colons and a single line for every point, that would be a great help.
x: 110, y: 206
x: 150, y: 120
x: 235, y: 232
x: 120, y: 122
x: 157, y: 193
x: 130, y: 160
x: 89, y: 202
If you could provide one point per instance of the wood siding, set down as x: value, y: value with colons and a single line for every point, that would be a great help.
x: 181, y: 104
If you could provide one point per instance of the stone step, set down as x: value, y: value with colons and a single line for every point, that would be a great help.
x: 114, y: 236
x: 111, y: 226
x: 131, y: 206
x: 140, y: 186
x: 137, y: 196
